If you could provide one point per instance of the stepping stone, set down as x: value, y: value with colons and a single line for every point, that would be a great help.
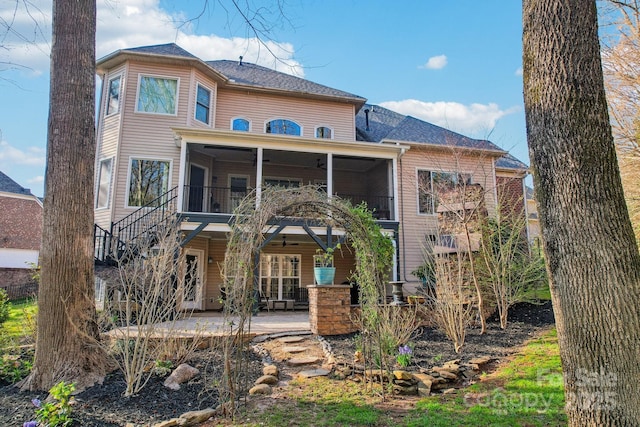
x: 303, y: 361
x: 291, y: 340
x: 314, y: 373
x: 294, y: 349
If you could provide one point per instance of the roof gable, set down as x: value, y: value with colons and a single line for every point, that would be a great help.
x: 10, y: 186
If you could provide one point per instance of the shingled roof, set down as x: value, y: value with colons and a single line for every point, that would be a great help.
x: 245, y: 73
x: 509, y: 162
x: 385, y: 124
x: 8, y: 185
x: 169, y: 49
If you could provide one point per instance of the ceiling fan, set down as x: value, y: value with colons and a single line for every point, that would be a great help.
x: 320, y: 164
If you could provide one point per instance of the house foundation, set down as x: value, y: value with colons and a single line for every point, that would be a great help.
x: 330, y: 309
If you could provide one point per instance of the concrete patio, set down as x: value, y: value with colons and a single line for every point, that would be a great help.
x: 211, y: 324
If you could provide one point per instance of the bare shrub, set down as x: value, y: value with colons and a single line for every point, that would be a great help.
x: 507, y: 266
x: 453, y: 303
x: 142, y: 305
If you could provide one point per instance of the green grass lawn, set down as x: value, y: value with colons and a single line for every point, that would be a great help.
x: 21, y: 313
x: 525, y: 391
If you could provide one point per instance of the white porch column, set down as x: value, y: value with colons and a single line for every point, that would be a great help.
x: 330, y: 174
x: 259, y: 157
x: 182, y: 174
x: 396, y: 192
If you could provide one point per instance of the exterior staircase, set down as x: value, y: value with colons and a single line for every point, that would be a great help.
x: 124, y: 239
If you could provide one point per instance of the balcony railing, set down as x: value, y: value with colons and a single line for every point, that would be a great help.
x: 224, y: 200
x: 212, y: 199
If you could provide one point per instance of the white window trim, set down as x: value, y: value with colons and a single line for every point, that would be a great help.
x: 97, y: 188
x: 315, y: 130
x: 418, y: 170
x: 264, y: 127
x: 159, y: 159
x: 108, y: 97
x: 280, y: 275
x: 156, y: 76
x: 195, y: 104
x: 242, y: 118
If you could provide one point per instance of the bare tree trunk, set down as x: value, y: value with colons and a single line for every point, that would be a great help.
x: 593, y: 260
x: 67, y: 331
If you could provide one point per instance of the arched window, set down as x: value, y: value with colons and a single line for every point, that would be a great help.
x: 324, y: 132
x: 283, y: 126
x: 240, y: 124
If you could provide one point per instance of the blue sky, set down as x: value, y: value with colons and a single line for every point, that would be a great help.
x: 455, y: 64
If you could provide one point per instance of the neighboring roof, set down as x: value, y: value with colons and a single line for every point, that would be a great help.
x: 385, y: 124
x: 8, y: 185
x: 257, y: 76
x: 509, y: 162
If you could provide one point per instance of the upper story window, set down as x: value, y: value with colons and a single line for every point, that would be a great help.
x: 282, y: 182
x: 324, y: 132
x: 113, y: 97
x: 157, y: 95
x: 203, y: 104
x: 431, y: 183
x: 283, y: 126
x: 148, y: 180
x: 104, y: 183
x: 241, y: 124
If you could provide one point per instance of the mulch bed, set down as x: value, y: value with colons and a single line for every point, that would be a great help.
x: 104, y: 406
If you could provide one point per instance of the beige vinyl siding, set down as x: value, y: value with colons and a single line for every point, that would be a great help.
x: 109, y: 128
x: 415, y: 227
x: 259, y: 108
x: 149, y: 136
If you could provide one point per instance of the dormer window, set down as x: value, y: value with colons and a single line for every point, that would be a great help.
x: 240, y: 124
x: 283, y: 126
x: 324, y: 132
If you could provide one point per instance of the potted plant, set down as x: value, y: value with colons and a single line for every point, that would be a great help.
x: 323, y: 269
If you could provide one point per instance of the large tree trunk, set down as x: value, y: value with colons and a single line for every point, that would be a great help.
x: 67, y: 332
x: 592, y: 257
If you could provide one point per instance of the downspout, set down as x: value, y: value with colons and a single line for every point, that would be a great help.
x: 402, y: 227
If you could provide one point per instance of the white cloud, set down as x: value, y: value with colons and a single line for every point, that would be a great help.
x: 12, y: 156
x: 435, y: 62
x: 130, y: 24
x: 519, y: 71
x: 474, y: 119
x: 36, y: 180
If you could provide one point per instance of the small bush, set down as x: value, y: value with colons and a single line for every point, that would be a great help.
x: 4, y: 306
x: 14, y: 367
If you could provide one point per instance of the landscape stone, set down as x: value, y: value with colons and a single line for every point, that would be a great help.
x: 451, y: 367
x: 260, y: 389
x: 449, y: 391
x: 377, y: 374
x: 267, y: 379
x: 291, y: 340
x: 271, y: 370
x: 181, y: 374
x: 314, y: 373
x: 168, y: 423
x: 405, y: 391
x: 294, y: 349
x: 402, y: 375
x: 452, y: 362
x: 404, y: 383
x: 303, y: 361
x: 445, y: 374
x: 480, y: 360
x: 193, y: 418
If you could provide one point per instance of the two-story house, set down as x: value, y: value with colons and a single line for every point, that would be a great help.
x: 203, y: 134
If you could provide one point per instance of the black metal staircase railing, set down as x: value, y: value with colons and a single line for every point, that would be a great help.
x: 109, y: 245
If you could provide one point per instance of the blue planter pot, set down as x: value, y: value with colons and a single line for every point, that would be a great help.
x: 324, y: 275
